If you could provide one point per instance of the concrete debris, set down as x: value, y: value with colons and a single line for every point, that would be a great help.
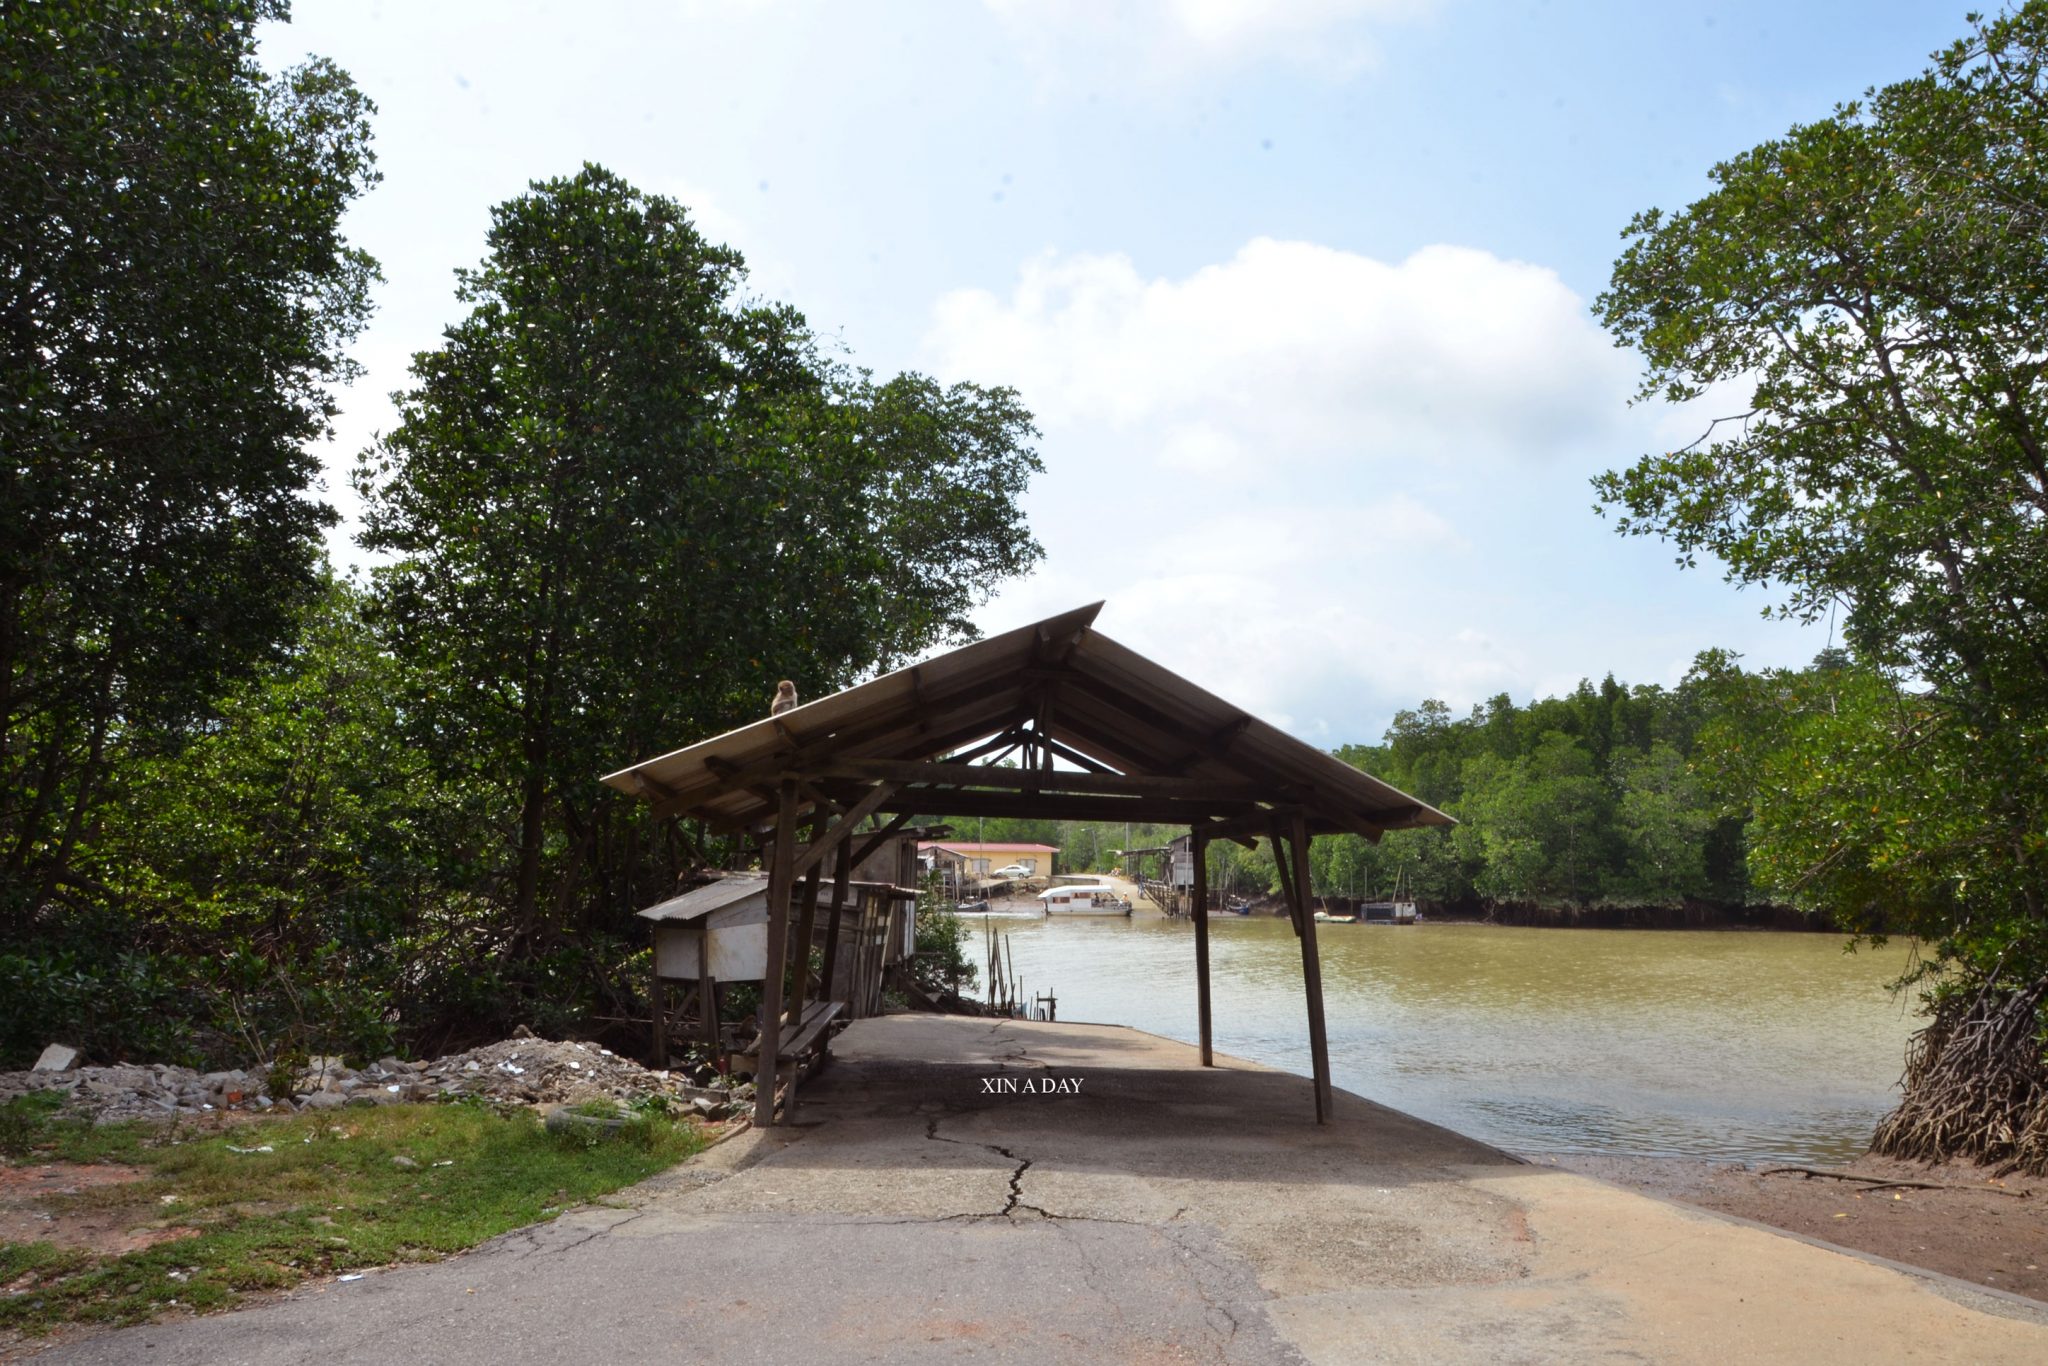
x: 57, y: 1058
x: 522, y: 1070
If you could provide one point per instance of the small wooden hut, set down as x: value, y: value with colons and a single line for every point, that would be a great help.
x: 1053, y: 721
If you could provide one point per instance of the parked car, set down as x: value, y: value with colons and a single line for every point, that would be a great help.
x: 1012, y: 870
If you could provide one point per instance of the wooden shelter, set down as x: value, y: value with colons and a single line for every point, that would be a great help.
x: 1053, y: 721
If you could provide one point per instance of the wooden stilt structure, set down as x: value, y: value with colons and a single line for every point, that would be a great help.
x: 1108, y: 735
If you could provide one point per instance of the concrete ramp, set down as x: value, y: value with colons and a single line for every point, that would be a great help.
x: 1006, y: 1191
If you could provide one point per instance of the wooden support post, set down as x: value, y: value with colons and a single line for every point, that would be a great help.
x: 707, y: 1006
x: 1284, y: 868
x: 1312, y: 976
x: 782, y: 852
x: 806, y: 924
x: 842, y: 873
x: 655, y: 994
x: 1200, y: 911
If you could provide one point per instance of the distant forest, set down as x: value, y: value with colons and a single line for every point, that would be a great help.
x: 1610, y: 796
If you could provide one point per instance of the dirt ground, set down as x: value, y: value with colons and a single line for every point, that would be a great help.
x: 33, y: 1209
x: 1988, y: 1230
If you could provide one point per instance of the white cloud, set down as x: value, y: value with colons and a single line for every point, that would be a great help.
x: 1327, y: 487
x: 1298, y: 351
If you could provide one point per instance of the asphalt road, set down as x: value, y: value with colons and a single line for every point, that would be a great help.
x: 983, y: 1191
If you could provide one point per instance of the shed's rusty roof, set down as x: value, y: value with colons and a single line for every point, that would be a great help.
x: 1062, y: 679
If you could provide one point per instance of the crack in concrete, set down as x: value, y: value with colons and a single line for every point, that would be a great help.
x: 1010, y: 1206
x: 530, y: 1236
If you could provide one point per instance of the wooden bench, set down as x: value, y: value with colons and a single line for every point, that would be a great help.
x: 803, y: 1050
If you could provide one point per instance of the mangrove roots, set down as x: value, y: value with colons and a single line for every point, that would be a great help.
x: 1976, y: 1084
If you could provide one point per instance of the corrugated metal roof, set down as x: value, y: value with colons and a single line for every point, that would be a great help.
x: 1098, y: 698
x: 713, y: 896
x: 971, y: 847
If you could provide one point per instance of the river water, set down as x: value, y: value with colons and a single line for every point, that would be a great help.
x: 1723, y: 1044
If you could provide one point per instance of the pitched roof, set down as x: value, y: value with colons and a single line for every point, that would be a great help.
x: 1107, y: 735
x: 997, y: 846
x: 712, y: 896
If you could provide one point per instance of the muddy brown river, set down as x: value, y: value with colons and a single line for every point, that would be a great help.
x: 1722, y: 1044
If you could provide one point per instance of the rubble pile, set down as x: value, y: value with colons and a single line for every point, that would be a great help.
x: 519, y: 1071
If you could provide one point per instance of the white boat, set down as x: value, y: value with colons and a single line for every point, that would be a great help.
x: 1389, y: 913
x: 1084, y: 900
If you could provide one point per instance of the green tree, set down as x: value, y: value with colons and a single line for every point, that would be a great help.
x: 624, y: 501
x: 177, y: 295
x: 1663, y: 819
x: 1537, y: 823
x: 1878, y: 277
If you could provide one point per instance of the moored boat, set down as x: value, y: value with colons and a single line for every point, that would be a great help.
x: 1083, y: 900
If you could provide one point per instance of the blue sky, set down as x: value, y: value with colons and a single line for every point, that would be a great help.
x: 1300, y: 291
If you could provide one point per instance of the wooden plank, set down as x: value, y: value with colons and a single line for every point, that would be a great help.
x: 707, y: 996
x: 781, y: 855
x: 882, y: 836
x: 1075, y: 756
x: 821, y: 845
x: 1007, y: 740
x: 1284, y: 867
x: 841, y: 875
x: 1312, y: 977
x: 657, y: 998
x: 806, y: 922
x: 1200, y: 912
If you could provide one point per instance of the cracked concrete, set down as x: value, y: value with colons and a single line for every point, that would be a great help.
x: 1166, y: 1213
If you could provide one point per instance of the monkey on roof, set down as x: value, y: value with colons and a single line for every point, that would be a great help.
x: 785, y: 698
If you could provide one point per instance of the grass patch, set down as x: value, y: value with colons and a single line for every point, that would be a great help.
x: 326, y: 1196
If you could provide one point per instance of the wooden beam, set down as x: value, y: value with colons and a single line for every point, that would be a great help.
x: 1059, y: 806
x: 1197, y: 846
x: 1256, y: 823
x: 969, y: 695
x: 780, y: 879
x: 841, y: 875
x: 656, y: 995
x: 844, y: 826
x: 981, y: 751
x: 1215, y: 745
x: 1075, y: 756
x: 818, y: 800
x: 1058, y: 780
x: 1285, y: 868
x: 1312, y: 977
x: 707, y: 1007
x: 882, y: 836
x: 806, y: 923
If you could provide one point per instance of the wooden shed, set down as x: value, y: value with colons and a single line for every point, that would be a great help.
x: 1052, y: 721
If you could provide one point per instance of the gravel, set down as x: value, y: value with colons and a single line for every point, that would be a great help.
x: 524, y: 1070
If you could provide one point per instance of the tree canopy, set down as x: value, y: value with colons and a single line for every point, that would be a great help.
x: 1877, y: 279
x: 177, y: 296
x: 624, y: 499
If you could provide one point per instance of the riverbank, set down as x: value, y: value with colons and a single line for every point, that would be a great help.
x: 1526, y: 915
x: 1976, y: 1226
